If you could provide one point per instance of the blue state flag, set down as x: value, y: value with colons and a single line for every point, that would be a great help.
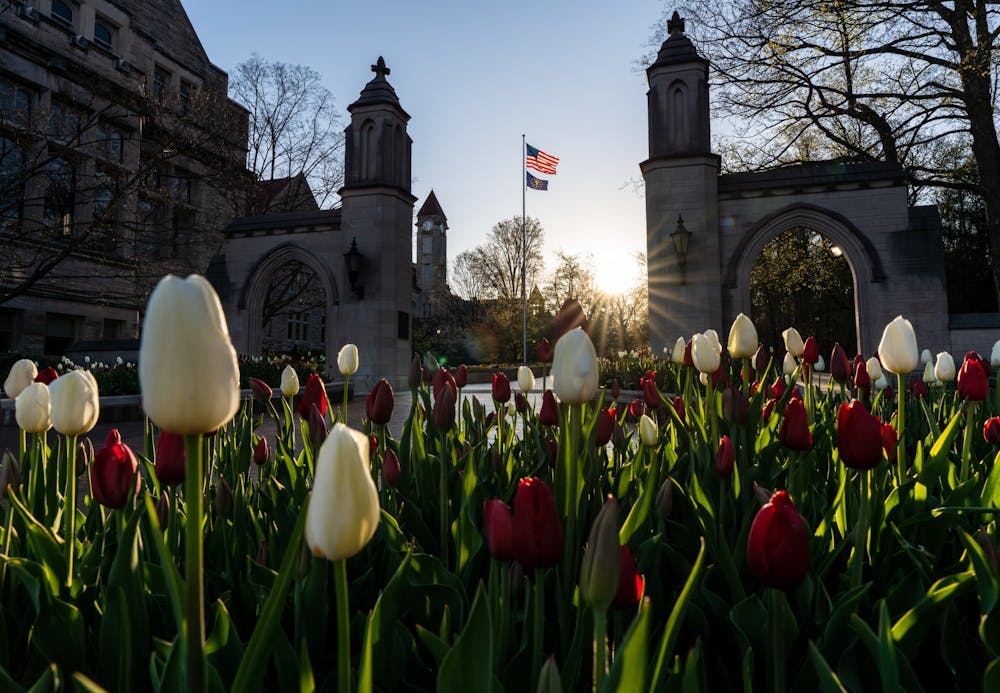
x: 536, y: 183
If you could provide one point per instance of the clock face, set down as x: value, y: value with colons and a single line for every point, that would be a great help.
x: 427, y: 225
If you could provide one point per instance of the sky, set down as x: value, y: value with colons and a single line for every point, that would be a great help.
x: 474, y: 76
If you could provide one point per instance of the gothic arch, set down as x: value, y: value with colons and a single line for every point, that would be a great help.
x: 860, y: 253
x: 253, y: 290
x: 369, y: 150
x: 677, y: 97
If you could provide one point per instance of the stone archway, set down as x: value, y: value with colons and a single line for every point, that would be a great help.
x: 257, y: 291
x: 861, y: 256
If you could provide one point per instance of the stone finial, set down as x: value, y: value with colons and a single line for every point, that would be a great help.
x: 381, y: 70
x: 675, y: 26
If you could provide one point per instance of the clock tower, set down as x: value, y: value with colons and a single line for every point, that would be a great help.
x: 432, y: 255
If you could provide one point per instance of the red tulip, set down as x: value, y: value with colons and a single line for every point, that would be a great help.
x: 461, y: 376
x: 498, y: 522
x: 646, y: 377
x: 840, y: 367
x: 991, y: 430
x: 537, y: 537
x: 261, y: 390
x: 735, y: 407
x: 548, y: 415
x: 114, y: 474
x: 724, y: 458
x: 918, y: 388
x: 761, y: 359
x: 314, y: 394
x: 859, y: 436
x: 553, y: 453
x: 972, y: 383
x: 501, y: 388
x: 889, y: 441
x: 113, y: 438
x: 765, y: 413
x: 444, y: 379
x: 794, y: 432
x: 650, y: 395
x: 604, y: 428
x: 861, y: 379
x: 391, y: 470
x: 616, y: 390
x: 520, y: 402
x: 688, y: 358
x: 778, y: 545
x: 379, y: 404
x: 635, y: 409
x: 443, y: 414
x: 170, y: 464
x: 630, y: 583
x: 779, y: 387
x: 47, y: 375
x: 544, y: 351
x: 260, y: 452
x: 679, y: 407
x: 317, y: 425
x: 810, y: 351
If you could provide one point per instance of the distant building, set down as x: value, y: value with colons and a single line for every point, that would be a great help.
x: 432, y: 257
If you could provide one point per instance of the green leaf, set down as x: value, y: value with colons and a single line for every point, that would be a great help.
x: 986, y: 579
x: 941, y: 447
x: 991, y: 490
x: 629, y: 668
x: 116, y: 639
x: 828, y: 681
x: 58, y: 633
x: 909, y: 630
x: 306, y: 682
x: 437, y: 647
x: 84, y: 683
x: 991, y: 677
x: 670, y: 634
x: 640, y: 510
x: 49, y: 681
x: 172, y: 578
x: 468, y: 665
x: 887, y: 667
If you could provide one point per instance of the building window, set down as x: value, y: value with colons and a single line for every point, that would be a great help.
x: 105, y: 212
x: 161, y: 83
x: 59, y: 197
x: 298, y: 327
x: 180, y: 187
x: 11, y: 181
x: 15, y: 104
x: 60, y: 333
x: 62, y: 12
x: 104, y: 34
x: 402, y: 325
x: 185, y: 96
x: 110, y: 143
x: 64, y: 122
x: 148, y: 229
x: 113, y: 329
x: 7, y: 323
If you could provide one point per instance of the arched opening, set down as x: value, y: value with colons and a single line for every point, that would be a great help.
x: 802, y: 279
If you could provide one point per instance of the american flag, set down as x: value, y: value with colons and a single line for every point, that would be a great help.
x: 540, y: 161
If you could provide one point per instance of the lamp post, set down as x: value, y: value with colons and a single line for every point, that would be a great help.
x: 681, y: 238
x: 353, y: 259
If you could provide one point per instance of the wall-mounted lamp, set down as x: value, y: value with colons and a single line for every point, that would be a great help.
x: 354, y: 260
x: 681, y: 238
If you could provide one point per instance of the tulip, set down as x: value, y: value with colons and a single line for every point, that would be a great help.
x: 604, y: 428
x: 344, y: 510
x: 788, y: 364
x: 778, y: 388
x: 820, y: 364
x: 881, y: 384
x: 114, y: 473
x: 379, y: 403
x: 21, y: 375
x: 648, y: 433
x: 889, y: 441
x: 793, y: 342
x: 928, y: 376
x: 735, y: 407
x: 810, y: 351
x: 601, y: 564
x: 261, y: 391
x: 724, y: 457
x: 525, y: 379
x: 765, y: 413
x: 861, y: 378
x: 874, y: 368
x: 498, y: 521
x: 678, y: 404
x: 347, y: 360
x: 574, y: 368
x: 944, y: 367
x: 317, y: 425
x: 315, y: 394
x: 75, y: 404
x: 415, y: 373
x: 630, y: 582
x: 703, y: 354
x: 688, y: 359
x: 677, y: 354
x: 713, y: 337
x: 443, y: 413
x: 778, y: 545
x: 32, y: 408
x: 918, y: 388
x: 501, y: 388
x: 47, y: 375
x: 442, y: 378
x: 650, y: 395
x: 859, y: 436
x: 391, y: 470
x: 549, y: 680
x: 520, y: 402
x: 289, y: 382
x: 260, y: 452
x: 544, y: 350
x: 461, y: 376
x: 794, y: 432
x: 223, y: 496
x: 537, y: 534
x: 761, y: 359
x: 187, y: 365
x: 742, y: 338
x: 635, y: 409
x: 553, y: 453
x: 995, y: 354
x: 548, y: 415
x: 991, y: 430
x: 898, y: 348
x: 925, y: 357
x: 972, y: 383
x: 170, y: 466
x: 665, y: 499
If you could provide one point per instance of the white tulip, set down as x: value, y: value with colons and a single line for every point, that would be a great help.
x: 898, y: 348
x: 75, y: 406
x: 525, y: 379
x: 574, y: 368
x: 704, y: 354
x: 289, y: 382
x: 713, y: 336
x: 944, y: 367
x: 874, y: 368
x: 788, y: 364
x: 926, y: 357
x: 347, y: 359
x: 742, y: 338
x: 929, y: 373
x: 677, y: 355
x: 648, y: 432
x: 995, y: 354
x: 793, y: 342
x: 880, y: 383
x: 819, y: 365
x: 32, y: 408
x: 21, y: 375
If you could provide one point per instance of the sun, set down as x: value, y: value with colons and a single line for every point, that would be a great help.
x: 616, y: 272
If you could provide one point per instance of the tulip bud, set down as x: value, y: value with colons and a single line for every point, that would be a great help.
x: 928, y: 376
x: 10, y: 477
x: 537, y: 534
x: 793, y: 342
x: 820, y: 365
x: 170, y: 465
x: 347, y: 360
x: 677, y: 355
x: 601, y: 564
x: 498, y: 523
x: 917, y: 388
x: 944, y: 367
x: 665, y: 499
x: 840, y: 369
x: 544, y: 351
x: 520, y: 402
x: 724, y: 458
x: 442, y: 379
x: 794, y: 432
x: 650, y: 395
x: 742, y: 338
x: 314, y: 395
x: 75, y: 405
x: 85, y: 452
x: 548, y: 677
x: 761, y: 359
x: 898, y: 348
x: 223, y: 496
x: 501, y: 388
x: 991, y: 430
x: 678, y: 404
x: 574, y: 368
x: 289, y: 382
x: 630, y: 583
x: 553, y: 453
x: 703, y: 354
x: 778, y: 545
x: 604, y: 427
x: 548, y: 415
x: 344, y: 510
x: 525, y: 379
x: 861, y: 378
x: 379, y: 403
x: 443, y: 414
x: 21, y: 375
x: 889, y: 440
x: 261, y: 391
x: 788, y: 364
x: 616, y: 390
x: 762, y: 494
x: 810, y: 351
x: 261, y: 454
x: 32, y: 408
x: 47, y: 375
x: 391, y: 470
x: 261, y: 558
x: 995, y: 354
x: 859, y: 436
x: 163, y: 509
x: 925, y: 357
x: 415, y: 374
x: 187, y: 365
x: 317, y: 425
x: 648, y: 433
x: 972, y: 383
x: 735, y: 407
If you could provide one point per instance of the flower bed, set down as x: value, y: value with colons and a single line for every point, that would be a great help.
x: 757, y: 533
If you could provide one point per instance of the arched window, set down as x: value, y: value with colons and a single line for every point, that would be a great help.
x: 400, y: 149
x: 369, y: 150
x: 679, y: 126
x: 62, y: 12
x: 104, y: 34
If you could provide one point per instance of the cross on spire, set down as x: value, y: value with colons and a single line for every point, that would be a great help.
x: 676, y: 24
x: 380, y: 69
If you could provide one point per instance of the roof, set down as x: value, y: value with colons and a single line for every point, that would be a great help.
x: 678, y: 47
x: 264, y: 224
x: 431, y: 207
x: 378, y: 90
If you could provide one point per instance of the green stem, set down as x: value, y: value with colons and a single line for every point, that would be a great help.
x: 970, y: 416
x: 443, y: 497
x: 778, y: 639
x: 194, y: 565
x: 860, y: 533
x: 343, y: 628
x: 22, y: 445
x: 539, y: 626
x: 900, y: 429
x: 69, y: 516
x: 347, y: 380
x: 8, y: 530
x: 600, y: 647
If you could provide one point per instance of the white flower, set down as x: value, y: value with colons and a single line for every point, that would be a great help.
x: 75, y: 406
x: 32, y: 408
x: 742, y: 338
x: 898, y: 348
x: 677, y: 355
x: 525, y: 379
x: 21, y: 375
x: 944, y: 367
x: 347, y: 359
x: 289, y: 382
x: 793, y: 342
x: 574, y: 368
x: 704, y: 354
x: 874, y: 368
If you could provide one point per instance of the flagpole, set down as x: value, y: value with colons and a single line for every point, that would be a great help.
x: 524, y: 256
